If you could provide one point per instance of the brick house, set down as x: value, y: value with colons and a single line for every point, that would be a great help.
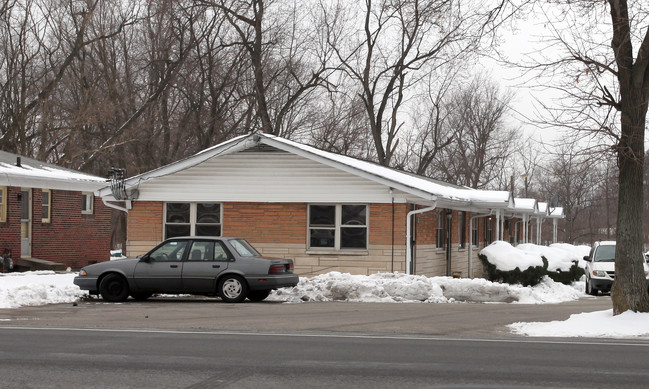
x: 50, y: 214
x: 326, y: 211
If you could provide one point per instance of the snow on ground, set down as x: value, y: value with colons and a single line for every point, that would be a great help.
x: 37, y: 288
x: 46, y: 287
x: 402, y: 288
x: 600, y: 324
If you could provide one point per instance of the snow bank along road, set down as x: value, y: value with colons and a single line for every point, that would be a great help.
x: 209, y: 314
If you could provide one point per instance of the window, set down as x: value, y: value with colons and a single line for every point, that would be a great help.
x: 339, y: 227
x: 199, y: 219
x: 3, y: 203
x: 46, y: 216
x: 488, y: 231
x: 441, y: 219
x: 169, y: 252
x: 208, y: 251
x: 87, y: 200
x: 474, y: 234
x: 462, y: 229
x: 243, y: 248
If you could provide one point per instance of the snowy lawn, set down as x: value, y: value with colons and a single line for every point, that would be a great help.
x: 46, y: 287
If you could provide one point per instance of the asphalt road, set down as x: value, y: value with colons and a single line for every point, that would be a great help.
x: 203, y: 343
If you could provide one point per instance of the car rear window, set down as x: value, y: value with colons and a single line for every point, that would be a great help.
x: 243, y: 248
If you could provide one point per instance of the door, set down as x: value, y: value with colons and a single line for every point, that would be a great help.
x: 25, y: 223
x: 206, y: 260
x: 161, y: 269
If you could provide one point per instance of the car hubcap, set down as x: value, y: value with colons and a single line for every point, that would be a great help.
x: 232, y: 288
x: 115, y: 288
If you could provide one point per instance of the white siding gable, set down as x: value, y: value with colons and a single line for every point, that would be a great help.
x: 263, y: 177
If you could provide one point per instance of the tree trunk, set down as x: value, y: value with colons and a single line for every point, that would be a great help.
x: 630, y: 287
x: 629, y: 290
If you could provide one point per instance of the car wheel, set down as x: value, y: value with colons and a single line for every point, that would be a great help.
x: 141, y: 296
x: 232, y: 289
x: 258, y: 295
x: 589, y: 288
x: 113, y: 288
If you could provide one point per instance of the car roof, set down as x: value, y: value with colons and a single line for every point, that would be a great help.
x: 605, y: 243
x: 204, y: 237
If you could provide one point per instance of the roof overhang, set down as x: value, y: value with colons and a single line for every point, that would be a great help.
x: 32, y: 181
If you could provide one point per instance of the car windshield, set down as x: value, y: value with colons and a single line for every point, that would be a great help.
x: 243, y: 248
x: 605, y: 254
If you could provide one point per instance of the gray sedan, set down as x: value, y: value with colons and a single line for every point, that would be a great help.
x: 227, y: 267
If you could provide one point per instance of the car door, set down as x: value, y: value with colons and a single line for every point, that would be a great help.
x: 161, y: 269
x: 205, y: 261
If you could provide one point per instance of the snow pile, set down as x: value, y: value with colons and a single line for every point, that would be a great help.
x: 402, y: 288
x: 573, y: 253
x: 560, y: 256
x: 37, y: 288
x: 507, y: 257
x: 592, y: 325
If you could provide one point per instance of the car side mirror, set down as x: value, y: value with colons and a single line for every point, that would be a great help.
x: 145, y: 258
x: 587, y: 258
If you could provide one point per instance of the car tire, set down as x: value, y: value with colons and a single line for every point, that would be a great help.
x: 258, y: 295
x: 114, y: 288
x: 589, y: 288
x: 232, y: 289
x: 141, y: 296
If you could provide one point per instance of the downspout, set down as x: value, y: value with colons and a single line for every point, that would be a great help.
x: 471, y: 240
x: 498, y: 237
x: 127, y: 204
x: 392, y: 263
x: 409, y: 235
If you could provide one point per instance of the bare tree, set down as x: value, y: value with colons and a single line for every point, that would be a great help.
x: 41, y: 40
x: 482, y: 142
x: 287, y: 56
x: 605, y: 69
x: 432, y: 131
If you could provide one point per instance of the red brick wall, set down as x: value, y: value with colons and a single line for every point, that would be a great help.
x: 71, y: 238
x: 381, y: 224
x: 144, y: 222
x: 10, y: 229
x: 266, y: 222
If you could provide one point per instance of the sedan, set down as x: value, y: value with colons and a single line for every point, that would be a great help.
x: 226, y: 267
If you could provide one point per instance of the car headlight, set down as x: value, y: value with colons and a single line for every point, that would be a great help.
x: 599, y: 273
x: 82, y: 272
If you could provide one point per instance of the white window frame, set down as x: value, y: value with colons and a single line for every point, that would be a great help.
x: 337, y: 229
x: 440, y: 230
x: 193, y: 216
x: 87, y: 203
x: 47, y: 219
x: 3, y: 204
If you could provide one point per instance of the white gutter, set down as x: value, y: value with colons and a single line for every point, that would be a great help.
x: 408, y: 235
x: 471, y: 240
x: 127, y: 203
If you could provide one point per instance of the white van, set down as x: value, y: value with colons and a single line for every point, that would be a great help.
x: 600, y: 267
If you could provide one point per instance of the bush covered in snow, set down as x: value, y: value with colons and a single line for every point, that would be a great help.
x: 527, y: 263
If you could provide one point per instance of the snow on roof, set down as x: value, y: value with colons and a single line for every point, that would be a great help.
x: 36, y: 174
x: 556, y: 212
x: 408, y: 180
x: 426, y: 188
x: 524, y: 205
